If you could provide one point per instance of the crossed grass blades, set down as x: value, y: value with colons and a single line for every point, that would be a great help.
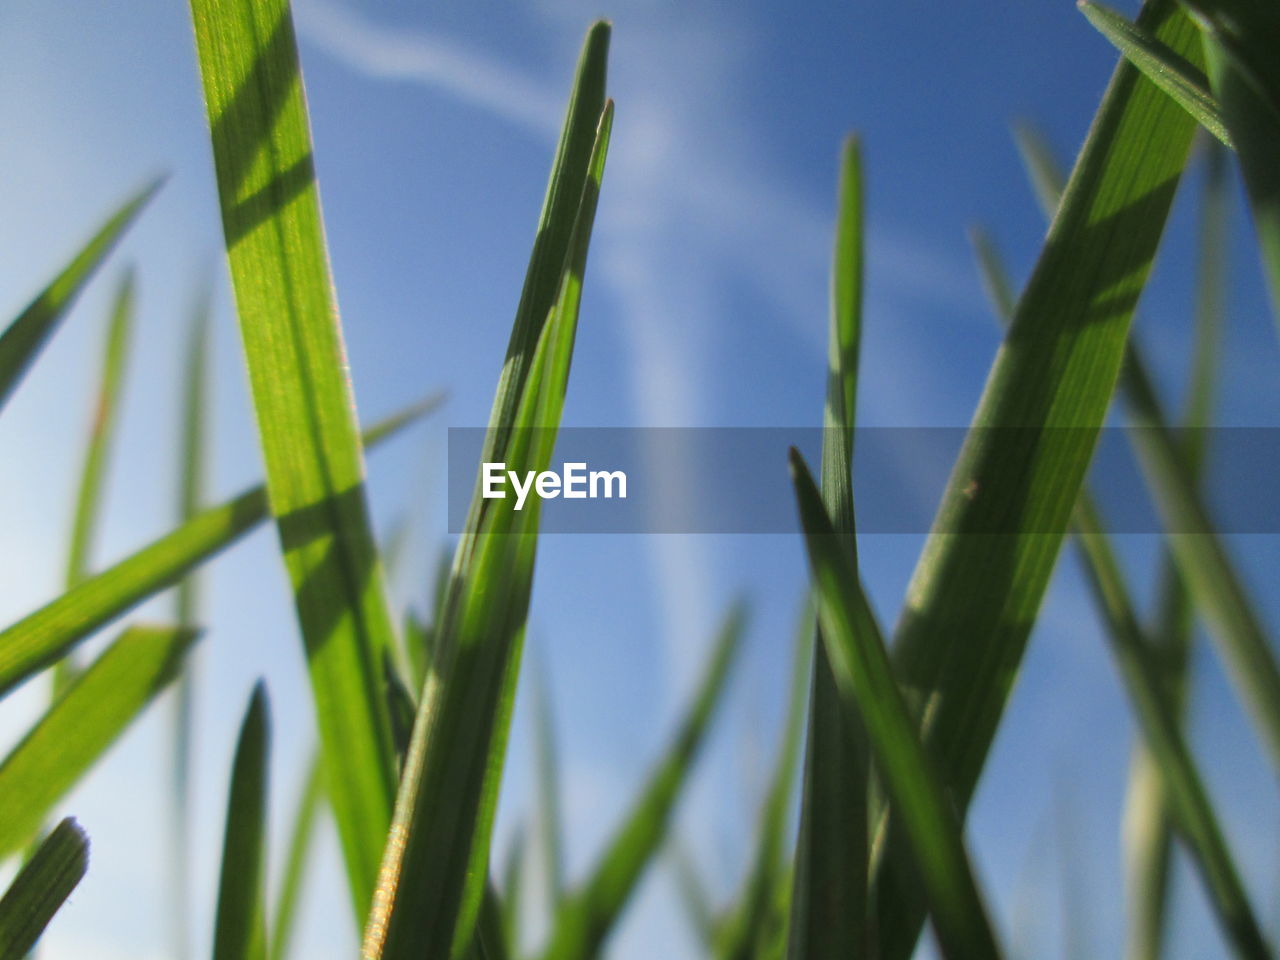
x: 413, y: 716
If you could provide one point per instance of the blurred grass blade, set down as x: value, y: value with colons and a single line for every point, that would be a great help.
x: 1057, y: 368
x: 432, y: 878
x: 1244, y: 75
x: 592, y: 910
x: 513, y: 889
x: 41, y: 887
x: 42, y: 637
x: 1183, y: 789
x: 26, y: 335
x: 548, y: 768
x: 303, y: 401
x: 695, y: 896
x: 190, y: 496
x: 829, y: 903
x: 1047, y: 180
x: 749, y: 926
x: 82, y: 724
x: 240, y: 925
x: 865, y: 679
x: 491, y: 935
x: 301, y: 841
x: 1172, y: 73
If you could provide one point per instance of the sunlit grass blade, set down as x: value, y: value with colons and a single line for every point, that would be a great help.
x: 26, y: 335
x: 864, y: 676
x: 750, y: 924
x: 1172, y: 73
x: 302, y: 837
x: 240, y: 924
x: 432, y: 878
x: 190, y: 497
x: 1244, y: 75
x: 1183, y: 789
x: 303, y: 400
x: 591, y: 910
x: 82, y: 724
x: 973, y: 598
x: 549, y: 822
x: 829, y: 904
x: 42, y: 637
x: 41, y: 887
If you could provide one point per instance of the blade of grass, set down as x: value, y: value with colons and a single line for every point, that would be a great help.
x: 1244, y: 75
x: 548, y: 769
x: 829, y: 904
x: 432, y: 878
x: 82, y: 724
x: 240, y: 926
x: 45, y: 635
x: 695, y: 896
x: 28, y: 333
x: 303, y: 401
x: 190, y: 497
x: 40, y: 889
x: 748, y: 927
x: 301, y: 841
x: 865, y: 678
x: 1047, y: 180
x: 513, y: 889
x: 973, y: 598
x: 591, y: 911
x: 1172, y: 73
x: 1182, y: 787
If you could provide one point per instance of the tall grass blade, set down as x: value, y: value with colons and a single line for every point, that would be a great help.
x: 548, y: 768
x: 303, y: 401
x: 695, y: 895
x: 42, y: 637
x: 1244, y: 74
x: 1182, y: 787
x: 91, y: 713
x: 432, y: 878
x: 591, y: 911
x: 41, y: 888
x: 1047, y: 180
x: 240, y: 925
x: 973, y: 598
x: 28, y: 333
x: 301, y: 841
x: 1173, y: 74
x: 865, y: 678
x: 829, y: 903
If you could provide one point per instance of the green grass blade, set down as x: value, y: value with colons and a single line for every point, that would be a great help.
x: 240, y: 926
x: 491, y: 936
x: 695, y: 896
x: 301, y: 841
x: 432, y: 878
x: 513, y: 889
x: 1172, y: 73
x: 42, y: 637
x: 1244, y: 74
x: 1057, y: 368
x: 303, y: 401
x: 751, y: 923
x: 865, y: 679
x: 592, y: 910
x: 26, y: 335
x: 1183, y: 789
x: 548, y: 768
x: 82, y: 724
x: 40, y: 889
x: 829, y: 904
x: 1047, y: 180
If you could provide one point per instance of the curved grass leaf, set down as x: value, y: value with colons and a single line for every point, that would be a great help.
x: 24, y: 338
x: 91, y: 713
x: 973, y: 598
x: 592, y: 910
x: 42, y: 637
x: 240, y: 925
x: 41, y: 887
x: 1172, y: 73
x: 432, y: 879
x: 301, y: 840
x: 829, y: 904
x: 860, y: 664
x: 303, y: 400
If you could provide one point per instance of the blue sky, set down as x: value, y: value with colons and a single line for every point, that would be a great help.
x: 705, y: 306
